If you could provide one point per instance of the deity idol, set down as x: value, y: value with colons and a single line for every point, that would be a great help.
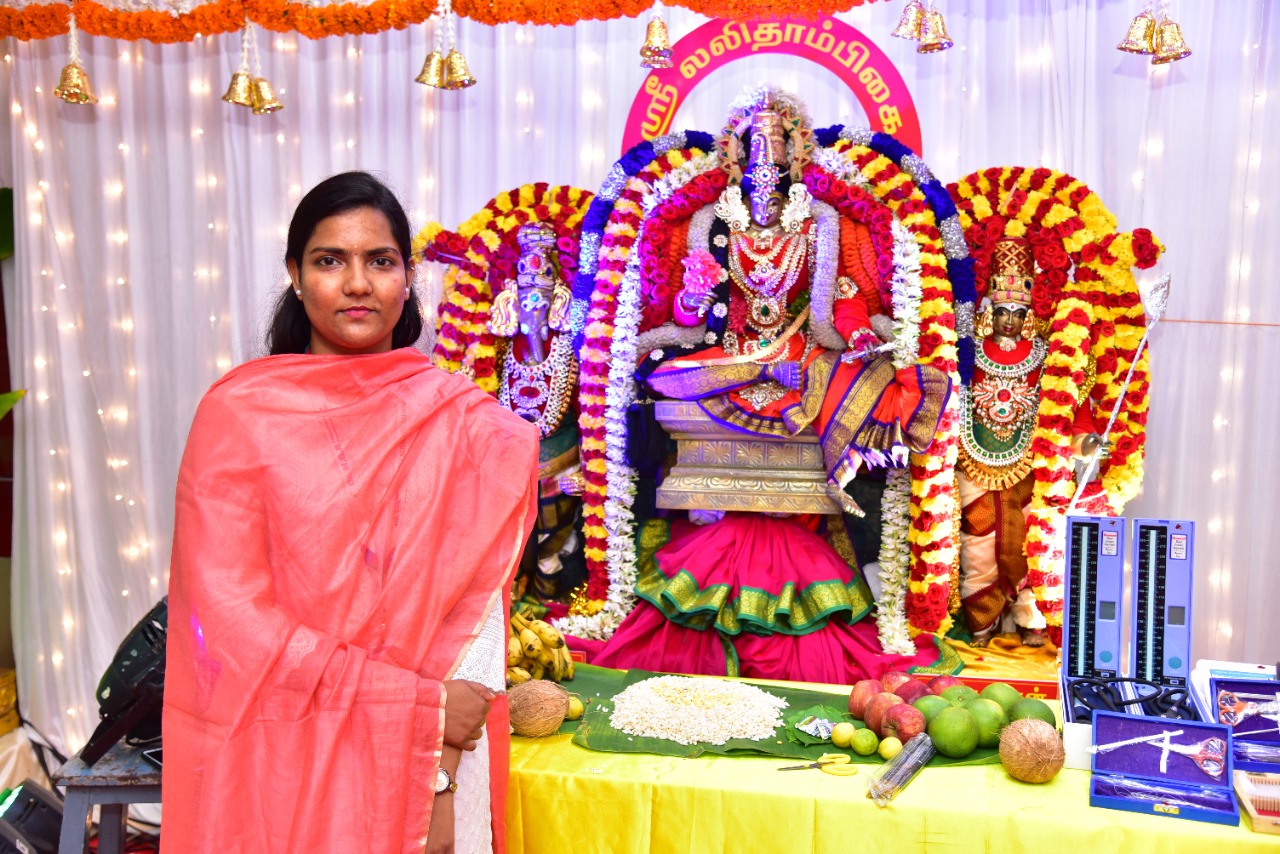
x: 772, y: 335
x: 774, y: 276
x: 998, y: 420
x: 537, y: 382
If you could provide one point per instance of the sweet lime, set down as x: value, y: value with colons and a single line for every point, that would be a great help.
x: 1005, y: 695
x: 958, y: 695
x: 954, y: 732
x: 842, y: 734
x: 990, y: 718
x: 931, y: 704
x: 889, y: 748
x: 865, y: 742
x: 1032, y: 708
x: 575, y: 709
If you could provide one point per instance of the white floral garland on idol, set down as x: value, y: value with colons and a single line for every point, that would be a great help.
x: 895, y: 513
x: 620, y: 553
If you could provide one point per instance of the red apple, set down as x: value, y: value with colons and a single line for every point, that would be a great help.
x: 894, y: 678
x: 938, y: 684
x: 876, y: 709
x: 905, y: 722
x: 911, y: 691
x: 861, y: 694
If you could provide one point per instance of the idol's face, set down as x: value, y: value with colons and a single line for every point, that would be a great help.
x: 767, y: 213
x: 354, y: 283
x: 1007, y: 322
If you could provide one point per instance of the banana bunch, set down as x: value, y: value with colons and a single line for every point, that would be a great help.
x: 535, y: 650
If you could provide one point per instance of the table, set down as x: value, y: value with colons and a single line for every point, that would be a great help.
x: 566, y: 798
x: 119, y: 778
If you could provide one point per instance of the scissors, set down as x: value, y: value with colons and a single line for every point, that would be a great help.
x: 824, y: 759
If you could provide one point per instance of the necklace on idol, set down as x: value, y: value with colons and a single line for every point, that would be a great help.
x: 540, y: 393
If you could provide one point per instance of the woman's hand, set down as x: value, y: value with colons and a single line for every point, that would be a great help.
x: 465, y: 707
x: 440, y: 834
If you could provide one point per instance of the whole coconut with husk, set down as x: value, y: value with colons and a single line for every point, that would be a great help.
x: 1031, y: 751
x: 537, y: 708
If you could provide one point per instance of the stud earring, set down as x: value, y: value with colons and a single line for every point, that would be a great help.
x: 297, y: 293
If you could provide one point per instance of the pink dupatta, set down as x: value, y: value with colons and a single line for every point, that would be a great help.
x: 343, y: 526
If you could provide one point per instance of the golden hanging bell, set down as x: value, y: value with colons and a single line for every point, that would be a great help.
x: 1142, y: 31
x: 933, y: 33
x: 909, y: 25
x: 73, y: 85
x: 457, y: 76
x: 241, y: 90
x: 656, y: 52
x: 1168, y: 43
x: 264, y: 100
x: 432, y: 71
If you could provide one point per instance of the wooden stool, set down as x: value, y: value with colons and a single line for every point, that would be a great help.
x: 722, y: 469
x: 119, y: 778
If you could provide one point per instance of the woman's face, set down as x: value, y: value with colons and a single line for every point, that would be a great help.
x: 353, y: 282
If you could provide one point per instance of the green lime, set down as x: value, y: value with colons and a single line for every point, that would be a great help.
x: 954, y: 732
x: 1005, y: 695
x: 931, y: 704
x: 990, y: 718
x: 865, y: 742
x: 958, y: 695
x: 1029, y: 707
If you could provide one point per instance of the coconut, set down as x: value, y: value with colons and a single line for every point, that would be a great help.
x: 537, y: 708
x: 1031, y: 751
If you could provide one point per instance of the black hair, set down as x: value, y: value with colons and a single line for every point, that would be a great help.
x: 290, y: 330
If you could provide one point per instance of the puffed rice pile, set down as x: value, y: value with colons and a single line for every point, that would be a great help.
x: 688, y: 711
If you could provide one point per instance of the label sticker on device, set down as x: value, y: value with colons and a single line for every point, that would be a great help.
x: 1178, y: 547
x: 1110, y: 543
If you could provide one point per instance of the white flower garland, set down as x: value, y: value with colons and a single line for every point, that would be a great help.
x: 619, y: 521
x: 895, y: 564
x: 907, y: 292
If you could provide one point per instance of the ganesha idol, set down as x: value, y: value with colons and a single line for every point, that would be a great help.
x: 777, y: 355
x: 532, y: 363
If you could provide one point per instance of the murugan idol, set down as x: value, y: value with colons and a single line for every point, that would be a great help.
x: 998, y: 421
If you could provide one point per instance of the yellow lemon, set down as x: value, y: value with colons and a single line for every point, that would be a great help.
x: 889, y: 748
x: 575, y: 709
x: 842, y: 734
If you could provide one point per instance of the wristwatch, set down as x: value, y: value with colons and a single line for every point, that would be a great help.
x: 444, y: 782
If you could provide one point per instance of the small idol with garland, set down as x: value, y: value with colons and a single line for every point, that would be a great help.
x: 997, y: 424
x: 516, y: 250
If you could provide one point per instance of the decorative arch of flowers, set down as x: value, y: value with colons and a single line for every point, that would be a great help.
x: 1093, y: 320
x: 483, y: 253
x: 624, y: 287
x: 156, y: 21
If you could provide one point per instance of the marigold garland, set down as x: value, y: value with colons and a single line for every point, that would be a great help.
x: 1096, y: 316
x: 41, y: 20
x: 483, y: 253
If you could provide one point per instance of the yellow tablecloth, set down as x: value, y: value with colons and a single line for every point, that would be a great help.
x: 569, y: 800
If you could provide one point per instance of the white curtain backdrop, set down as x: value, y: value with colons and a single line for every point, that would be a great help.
x: 151, y: 232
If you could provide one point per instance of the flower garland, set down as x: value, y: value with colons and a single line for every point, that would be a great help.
x: 903, y: 182
x: 482, y: 254
x: 895, y: 565
x: 40, y: 20
x: 608, y: 356
x: 1098, y: 314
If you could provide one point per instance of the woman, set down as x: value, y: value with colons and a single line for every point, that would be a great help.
x: 344, y: 539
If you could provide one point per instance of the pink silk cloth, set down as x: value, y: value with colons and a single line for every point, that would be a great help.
x: 343, y: 526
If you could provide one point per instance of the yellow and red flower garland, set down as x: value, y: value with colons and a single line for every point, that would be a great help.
x: 483, y: 252
x: 1099, y: 313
